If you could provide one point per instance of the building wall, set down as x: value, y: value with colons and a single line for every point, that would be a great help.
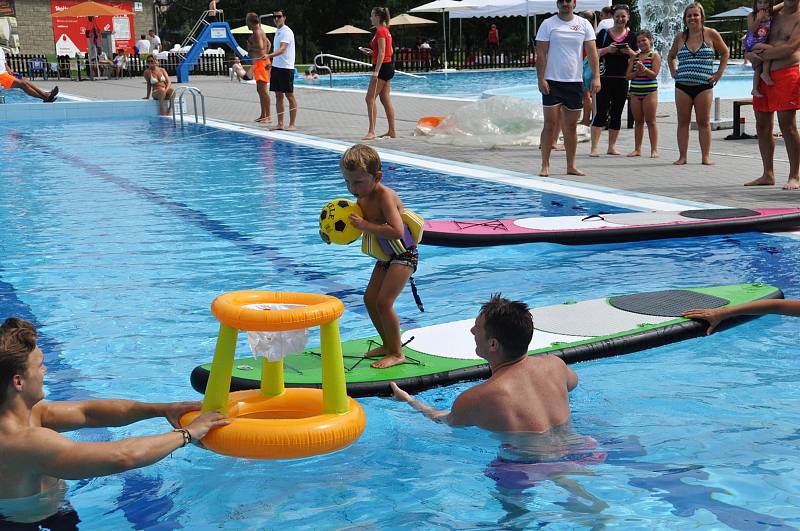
x: 35, y: 26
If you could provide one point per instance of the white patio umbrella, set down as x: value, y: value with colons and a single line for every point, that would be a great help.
x: 409, y: 20
x: 739, y: 12
x: 444, y: 6
x: 347, y: 30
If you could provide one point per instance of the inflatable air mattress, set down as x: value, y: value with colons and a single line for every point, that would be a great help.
x: 444, y: 353
x: 608, y: 228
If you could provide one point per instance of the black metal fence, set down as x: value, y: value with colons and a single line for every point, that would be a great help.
x: 421, y: 60
x: 734, y: 41
x: 39, y: 66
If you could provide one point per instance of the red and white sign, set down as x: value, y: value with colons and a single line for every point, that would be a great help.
x: 69, y: 33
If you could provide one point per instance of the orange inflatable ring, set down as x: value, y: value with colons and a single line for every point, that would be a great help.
x: 287, y: 426
x: 316, y: 310
x: 430, y: 121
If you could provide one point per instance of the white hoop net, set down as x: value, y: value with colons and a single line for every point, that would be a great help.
x: 276, y: 345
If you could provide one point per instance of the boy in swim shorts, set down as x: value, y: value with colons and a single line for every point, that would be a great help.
x: 382, y: 209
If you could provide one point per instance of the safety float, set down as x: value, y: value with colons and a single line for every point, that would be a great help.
x: 274, y: 422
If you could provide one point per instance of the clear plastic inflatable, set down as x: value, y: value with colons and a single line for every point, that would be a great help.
x: 493, y: 122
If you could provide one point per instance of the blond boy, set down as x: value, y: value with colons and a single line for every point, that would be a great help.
x: 382, y: 209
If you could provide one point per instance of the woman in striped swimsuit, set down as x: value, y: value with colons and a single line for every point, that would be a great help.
x: 695, y: 78
x: 643, y: 72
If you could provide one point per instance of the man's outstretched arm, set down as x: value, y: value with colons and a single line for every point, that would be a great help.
x: 68, y: 416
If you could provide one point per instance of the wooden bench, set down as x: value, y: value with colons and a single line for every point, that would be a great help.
x: 737, y: 130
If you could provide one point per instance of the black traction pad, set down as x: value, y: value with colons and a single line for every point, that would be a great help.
x: 720, y: 213
x: 668, y: 303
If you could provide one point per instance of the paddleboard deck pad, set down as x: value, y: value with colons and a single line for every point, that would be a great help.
x: 608, y: 228
x: 443, y: 354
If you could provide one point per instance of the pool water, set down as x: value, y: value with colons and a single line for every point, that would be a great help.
x: 18, y: 96
x: 116, y: 251
x: 521, y: 83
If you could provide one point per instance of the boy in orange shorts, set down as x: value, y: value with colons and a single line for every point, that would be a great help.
x: 258, y: 47
x: 8, y: 82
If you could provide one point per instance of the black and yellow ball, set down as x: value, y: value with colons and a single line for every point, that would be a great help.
x: 334, y: 222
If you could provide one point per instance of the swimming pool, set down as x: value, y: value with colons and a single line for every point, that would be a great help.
x: 117, y: 251
x: 18, y: 96
x: 521, y: 83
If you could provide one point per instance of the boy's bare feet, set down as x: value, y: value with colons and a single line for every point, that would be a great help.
x: 389, y: 134
x: 792, y: 184
x: 369, y: 136
x: 635, y: 153
x: 378, y: 352
x: 654, y: 155
x: 278, y: 127
x: 575, y: 171
x: 613, y: 151
x: 544, y: 171
x: 707, y: 161
x: 764, y: 180
x: 264, y: 119
x: 765, y: 77
x: 594, y: 153
x: 559, y: 147
x: 291, y: 128
x: 389, y: 361
x: 680, y: 162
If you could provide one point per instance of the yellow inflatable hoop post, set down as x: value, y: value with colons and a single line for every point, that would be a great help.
x: 274, y: 422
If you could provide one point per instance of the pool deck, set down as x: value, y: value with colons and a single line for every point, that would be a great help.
x: 341, y: 116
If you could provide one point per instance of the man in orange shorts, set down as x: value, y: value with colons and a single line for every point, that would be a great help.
x: 8, y: 82
x: 258, y: 47
x: 783, y: 97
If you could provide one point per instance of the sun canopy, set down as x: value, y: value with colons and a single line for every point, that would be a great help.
x: 91, y: 9
x: 347, y: 30
x: 523, y: 8
x: 244, y: 30
x: 409, y: 20
x: 739, y: 12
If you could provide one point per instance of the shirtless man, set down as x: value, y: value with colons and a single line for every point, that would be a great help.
x: 35, y: 458
x: 524, y: 393
x: 258, y: 47
x: 783, y: 97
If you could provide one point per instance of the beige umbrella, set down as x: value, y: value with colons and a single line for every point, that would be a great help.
x: 347, y: 30
x: 91, y: 9
x: 409, y: 20
x: 244, y: 30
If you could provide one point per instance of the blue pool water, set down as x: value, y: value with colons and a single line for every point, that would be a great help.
x: 521, y: 83
x: 18, y: 96
x: 117, y: 251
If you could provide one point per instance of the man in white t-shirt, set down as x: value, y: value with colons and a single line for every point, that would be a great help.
x: 142, y: 45
x: 8, y: 81
x: 155, y: 42
x: 560, y: 43
x: 606, y: 19
x: 282, y: 77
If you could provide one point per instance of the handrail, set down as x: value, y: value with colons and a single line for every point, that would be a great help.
x: 180, y: 92
x: 347, y: 60
x: 200, y: 22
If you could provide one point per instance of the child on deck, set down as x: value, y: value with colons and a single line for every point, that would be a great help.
x: 758, y: 26
x: 382, y: 209
x: 643, y: 71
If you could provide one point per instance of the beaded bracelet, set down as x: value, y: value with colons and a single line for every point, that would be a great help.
x: 187, y: 437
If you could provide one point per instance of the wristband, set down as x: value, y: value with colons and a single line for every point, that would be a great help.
x: 187, y: 437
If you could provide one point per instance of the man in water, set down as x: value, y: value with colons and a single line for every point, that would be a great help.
x: 35, y: 459
x: 783, y: 96
x: 524, y: 393
x: 525, y: 401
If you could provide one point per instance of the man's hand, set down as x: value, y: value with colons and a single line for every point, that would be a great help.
x: 175, y: 410
x: 399, y: 394
x: 712, y: 316
x: 204, y: 423
x: 544, y: 87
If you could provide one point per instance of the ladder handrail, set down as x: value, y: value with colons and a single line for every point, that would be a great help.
x: 348, y: 60
x: 180, y: 92
x: 200, y: 21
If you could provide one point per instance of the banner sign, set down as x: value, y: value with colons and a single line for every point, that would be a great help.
x: 69, y: 33
x: 7, y: 8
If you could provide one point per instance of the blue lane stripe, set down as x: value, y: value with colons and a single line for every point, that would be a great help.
x: 351, y: 296
x: 65, y: 388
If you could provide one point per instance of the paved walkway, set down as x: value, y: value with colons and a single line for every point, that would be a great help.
x: 342, y: 116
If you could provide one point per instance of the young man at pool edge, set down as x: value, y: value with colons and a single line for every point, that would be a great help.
x: 35, y: 458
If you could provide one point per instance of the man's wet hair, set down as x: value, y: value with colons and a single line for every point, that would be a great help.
x: 510, y: 323
x: 17, y: 341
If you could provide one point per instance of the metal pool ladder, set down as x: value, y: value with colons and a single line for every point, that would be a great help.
x: 179, y: 93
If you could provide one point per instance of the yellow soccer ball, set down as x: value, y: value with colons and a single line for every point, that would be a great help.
x: 334, y: 222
